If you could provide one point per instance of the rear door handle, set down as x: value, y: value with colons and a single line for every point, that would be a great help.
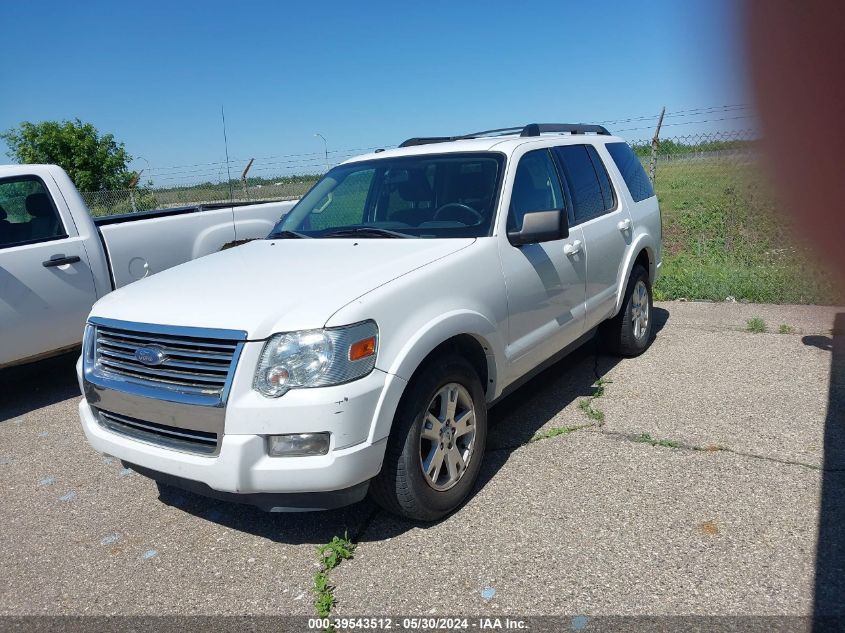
x: 572, y: 249
x: 624, y: 225
x: 60, y: 260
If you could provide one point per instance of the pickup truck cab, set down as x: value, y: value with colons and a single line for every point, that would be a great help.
x: 360, y: 345
x: 56, y: 260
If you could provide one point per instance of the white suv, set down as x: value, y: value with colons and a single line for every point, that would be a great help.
x: 360, y: 345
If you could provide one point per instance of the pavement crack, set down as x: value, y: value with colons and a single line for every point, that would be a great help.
x: 645, y: 438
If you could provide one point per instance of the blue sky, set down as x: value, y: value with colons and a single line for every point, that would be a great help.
x: 364, y: 74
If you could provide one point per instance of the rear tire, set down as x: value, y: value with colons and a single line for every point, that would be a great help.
x: 629, y: 332
x: 436, y: 444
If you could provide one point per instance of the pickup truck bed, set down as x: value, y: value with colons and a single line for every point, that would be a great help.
x: 56, y: 261
x: 208, y: 227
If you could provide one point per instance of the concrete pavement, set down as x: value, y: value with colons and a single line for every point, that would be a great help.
x: 592, y: 521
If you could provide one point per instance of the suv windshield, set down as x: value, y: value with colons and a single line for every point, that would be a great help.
x: 435, y: 195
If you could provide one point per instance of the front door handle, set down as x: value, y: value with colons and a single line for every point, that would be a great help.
x: 572, y: 249
x: 624, y: 225
x: 60, y: 260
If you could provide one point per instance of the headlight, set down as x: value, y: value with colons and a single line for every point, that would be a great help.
x: 88, y: 345
x: 316, y: 358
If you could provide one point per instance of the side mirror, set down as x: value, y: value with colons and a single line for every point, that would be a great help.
x: 540, y: 226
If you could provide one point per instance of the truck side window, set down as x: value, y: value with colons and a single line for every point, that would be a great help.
x: 584, y: 186
x: 632, y: 171
x: 535, y: 187
x: 27, y: 212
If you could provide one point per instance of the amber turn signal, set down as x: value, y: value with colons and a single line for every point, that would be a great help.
x: 362, y: 349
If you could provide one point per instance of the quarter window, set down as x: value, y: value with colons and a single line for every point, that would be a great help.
x: 535, y: 187
x: 632, y: 171
x: 27, y: 212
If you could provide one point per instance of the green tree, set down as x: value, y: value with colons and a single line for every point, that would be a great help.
x: 94, y: 162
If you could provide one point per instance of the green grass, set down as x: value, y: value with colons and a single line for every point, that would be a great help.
x: 723, y: 235
x: 645, y: 438
x: 786, y: 329
x: 755, y: 325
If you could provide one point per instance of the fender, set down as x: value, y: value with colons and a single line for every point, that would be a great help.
x: 421, y: 344
x: 641, y: 241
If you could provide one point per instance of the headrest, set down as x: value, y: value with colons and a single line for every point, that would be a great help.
x: 477, y: 184
x: 416, y: 188
x: 3, y: 214
x: 38, y: 205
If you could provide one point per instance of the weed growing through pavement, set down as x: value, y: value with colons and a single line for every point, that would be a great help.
x: 558, y: 430
x: 645, y: 438
x: 586, y: 405
x: 331, y: 555
x: 755, y: 325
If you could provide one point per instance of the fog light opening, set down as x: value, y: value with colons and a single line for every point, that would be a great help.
x: 298, y: 444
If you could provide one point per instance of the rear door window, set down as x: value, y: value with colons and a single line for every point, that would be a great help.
x: 27, y: 212
x: 632, y: 171
x: 607, y: 192
x: 584, y: 187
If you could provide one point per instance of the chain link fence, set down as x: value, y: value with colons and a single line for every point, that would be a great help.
x: 149, y: 198
x: 724, y: 236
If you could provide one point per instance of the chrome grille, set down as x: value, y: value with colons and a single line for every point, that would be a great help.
x: 188, y: 440
x: 189, y: 364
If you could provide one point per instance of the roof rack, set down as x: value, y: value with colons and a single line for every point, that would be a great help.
x: 532, y: 129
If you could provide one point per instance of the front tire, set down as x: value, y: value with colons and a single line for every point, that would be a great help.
x: 437, y: 442
x: 629, y: 332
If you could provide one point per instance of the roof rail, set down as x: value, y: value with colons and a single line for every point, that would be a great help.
x: 532, y: 129
x: 536, y: 129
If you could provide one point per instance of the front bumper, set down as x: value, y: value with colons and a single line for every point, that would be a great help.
x: 242, y: 465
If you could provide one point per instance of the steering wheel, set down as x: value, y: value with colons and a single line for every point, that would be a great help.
x: 462, y: 209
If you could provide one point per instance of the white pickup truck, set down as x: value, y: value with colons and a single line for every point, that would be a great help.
x: 359, y: 346
x: 56, y: 260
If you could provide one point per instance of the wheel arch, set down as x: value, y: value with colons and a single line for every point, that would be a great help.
x: 468, y: 334
x: 642, y: 252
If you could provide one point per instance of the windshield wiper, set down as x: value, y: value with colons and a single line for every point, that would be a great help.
x: 287, y: 235
x: 364, y: 231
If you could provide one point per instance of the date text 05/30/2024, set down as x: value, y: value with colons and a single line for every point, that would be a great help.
x: 415, y: 624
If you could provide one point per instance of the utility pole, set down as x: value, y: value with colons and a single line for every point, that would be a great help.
x: 243, y: 177
x: 325, y: 148
x: 655, y: 143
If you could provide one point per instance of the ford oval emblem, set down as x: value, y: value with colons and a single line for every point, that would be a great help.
x: 151, y: 356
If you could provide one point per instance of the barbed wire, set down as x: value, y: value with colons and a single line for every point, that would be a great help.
x: 286, y: 164
x: 716, y: 151
x: 681, y: 113
x: 733, y: 118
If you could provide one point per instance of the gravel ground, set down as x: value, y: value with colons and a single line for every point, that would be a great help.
x: 725, y: 518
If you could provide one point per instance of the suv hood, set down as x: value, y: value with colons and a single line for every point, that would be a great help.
x: 270, y: 286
